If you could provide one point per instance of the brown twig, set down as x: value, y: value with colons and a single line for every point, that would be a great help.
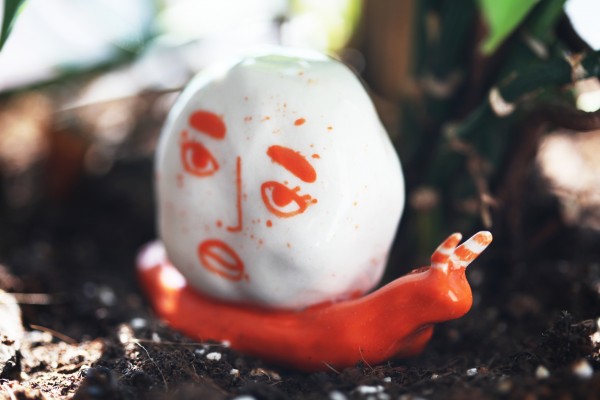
x: 56, y: 334
x: 477, y: 165
x: 565, y: 116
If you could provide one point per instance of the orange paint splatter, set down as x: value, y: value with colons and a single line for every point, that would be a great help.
x: 269, y: 223
x: 299, y: 121
x: 220, y: 259
x: 316, y: 156
x: 197, y: 159
x: 208, y: 123
x: 219, y: 223
x: 265, y: 119
x: 293, y: 161
x: 247, y: 118
x: 330, y: 128
x: 238, y: 184
x: 289, y: 245
x: 277, y: 198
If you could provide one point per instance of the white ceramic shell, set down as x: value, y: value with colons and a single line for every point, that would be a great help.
x: 230, y: 230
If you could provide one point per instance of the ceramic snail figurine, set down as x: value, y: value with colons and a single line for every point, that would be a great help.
x: 279, y: 194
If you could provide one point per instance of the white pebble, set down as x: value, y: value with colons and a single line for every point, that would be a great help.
x: 595, y: 337
x: 107, y: 296
x: 434, y: 376
x: 542, y: 372
x: 387, y: 379
x: 583, y: 369
x: 364, y: 389
x: 472, y: 372
x: 138, y: 323
x: 244, y: 397
x: 214, y: 356
x: 234, y: 372
x: 199, y: 352
x: 337, y: 395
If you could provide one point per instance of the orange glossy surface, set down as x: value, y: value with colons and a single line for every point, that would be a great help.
x: 394, y: 321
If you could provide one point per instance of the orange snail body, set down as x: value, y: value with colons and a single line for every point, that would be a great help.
x: 278, y: 196
x: 394, y: 321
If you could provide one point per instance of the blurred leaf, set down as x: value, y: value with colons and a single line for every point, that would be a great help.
x: 11, y: 9
x: 502, y: 17
x: 545, y: 18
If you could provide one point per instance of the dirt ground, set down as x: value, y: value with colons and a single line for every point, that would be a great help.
x: 88, y: 333
x: 76, y: 325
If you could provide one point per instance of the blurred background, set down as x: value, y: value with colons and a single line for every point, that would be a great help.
x: 488, y: 103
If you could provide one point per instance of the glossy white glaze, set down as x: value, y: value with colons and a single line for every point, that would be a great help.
x: 237, y: 143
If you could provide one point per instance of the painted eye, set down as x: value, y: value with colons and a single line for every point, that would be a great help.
x: 197, y: 160
x: 283, y: 201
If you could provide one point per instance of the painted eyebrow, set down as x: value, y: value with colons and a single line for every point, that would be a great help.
x: 208, y: 123
x: 293, y: 161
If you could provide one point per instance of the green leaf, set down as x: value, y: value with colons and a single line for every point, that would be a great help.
x: 11, y: 9
x: 502, y: 17
x: 542, y: 21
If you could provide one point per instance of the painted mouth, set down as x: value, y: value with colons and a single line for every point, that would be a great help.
x: 219, y: 258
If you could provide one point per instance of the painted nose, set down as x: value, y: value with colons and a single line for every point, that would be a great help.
x: 238, y: 200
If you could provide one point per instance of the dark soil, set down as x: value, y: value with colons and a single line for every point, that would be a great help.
x: 88, y: 333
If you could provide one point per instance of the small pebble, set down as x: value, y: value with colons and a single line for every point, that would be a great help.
x: 138, y: 323
x: 107, y: 296
x: 582, y: 369
x: 214, y: 356
x: 199, y: 352
x: 434, y: 376
x: 364, y: 389
x: 387, y: 379
x: 595, y: 337
x: 542, y: 372
x: 234, y: 372
x: 244, y: 397
x: 472, y: 372
x: 337, y: 395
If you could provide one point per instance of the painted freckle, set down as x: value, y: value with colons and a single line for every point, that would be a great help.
x: 330, y: 128
x: 316, y: 156
x: 299, y: 121
x: 269, y: 223
x: 265, y: 119
x: 247, y: 118
x: 219, y: 223
x: 289, y: 245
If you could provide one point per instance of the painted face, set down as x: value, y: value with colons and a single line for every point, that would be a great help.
x: 277, y: 184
